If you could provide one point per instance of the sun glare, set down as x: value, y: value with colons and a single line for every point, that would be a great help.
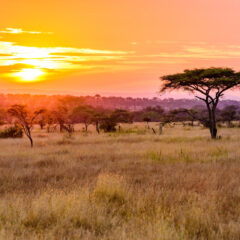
x: 20, y: 63
x: 29, y: 75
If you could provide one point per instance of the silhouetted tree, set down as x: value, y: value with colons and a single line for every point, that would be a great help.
x: 25, y: 119
x: 210, y: 85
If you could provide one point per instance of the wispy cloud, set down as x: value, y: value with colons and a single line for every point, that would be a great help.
x: 13, y: 67
x: 213, y: 52
x: 195, y: 51
x: 20, y: 31
x: 16, y: 60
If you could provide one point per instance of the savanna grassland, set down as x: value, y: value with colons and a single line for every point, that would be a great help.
x: 129, y: 185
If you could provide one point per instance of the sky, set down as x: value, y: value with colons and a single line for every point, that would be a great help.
x: 110, y: 47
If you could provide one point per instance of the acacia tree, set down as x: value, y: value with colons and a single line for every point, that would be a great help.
x: 25, y: 118
x: 208, y: 85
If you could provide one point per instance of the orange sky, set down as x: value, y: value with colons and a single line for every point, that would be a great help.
x: 112, y: 47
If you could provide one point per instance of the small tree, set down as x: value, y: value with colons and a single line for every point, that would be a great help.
x: 61, y: 116
x: 83, y: 114
x: 25, y: 118
x: 96, y: 119
x: 229, y: 114
x: 42, y: 121
x: 108, y: 124
x: 182, y: 114
x: 49, y: 117
x: 209, y: 85
x: 147, y: 120
x: 122, y: 116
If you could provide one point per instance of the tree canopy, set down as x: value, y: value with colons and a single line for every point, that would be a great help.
x: 202, y: 80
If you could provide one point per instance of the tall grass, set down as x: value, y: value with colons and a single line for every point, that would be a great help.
x: 180, y: 185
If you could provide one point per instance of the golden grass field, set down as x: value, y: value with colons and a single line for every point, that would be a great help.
x: 131, y: 185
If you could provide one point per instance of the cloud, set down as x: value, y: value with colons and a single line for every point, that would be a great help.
x: 13, y: 68
x: 189, y: 52
x: 82, y: 54
x: 95, y: 62
x: 213, y: 52
x: 15, y: 59
x: 5, y: 55
x: 67, y: 51
x: 151, y: 62
x: 20, y: 31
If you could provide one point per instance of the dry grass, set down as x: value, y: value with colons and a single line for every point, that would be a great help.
x: 128, y: 185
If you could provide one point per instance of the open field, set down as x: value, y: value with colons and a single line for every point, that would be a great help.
x: 129, y: 185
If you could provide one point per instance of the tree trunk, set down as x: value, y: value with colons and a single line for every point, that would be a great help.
x: 160, y: 129
x: 154, y: 131
x: 31, y: 141
x: 86, y: 127
x: 27, y: 132
x: 61, y: 127
x: 213, y: 125
x: 213, y: 131
x: 97, y: 128
x: 212, y: 120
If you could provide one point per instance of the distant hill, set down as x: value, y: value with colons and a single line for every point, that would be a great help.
x: 131, y: 104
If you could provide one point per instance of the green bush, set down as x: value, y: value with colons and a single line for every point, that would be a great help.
x: 12, y: 132
x: 108, y: 125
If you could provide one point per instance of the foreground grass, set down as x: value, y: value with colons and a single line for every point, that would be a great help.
x: 128, y: 185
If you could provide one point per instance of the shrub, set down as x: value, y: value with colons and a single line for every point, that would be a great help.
x: 12, y: 132
x: 108, y: 125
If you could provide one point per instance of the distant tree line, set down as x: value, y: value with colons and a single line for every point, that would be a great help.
x: 67, y: 114
x: 97, y: 101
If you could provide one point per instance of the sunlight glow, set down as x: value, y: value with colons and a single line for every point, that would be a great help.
x: 22, y: 63
x: 29, y: 75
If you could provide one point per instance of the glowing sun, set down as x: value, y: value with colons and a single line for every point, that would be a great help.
x: 29, y: 74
